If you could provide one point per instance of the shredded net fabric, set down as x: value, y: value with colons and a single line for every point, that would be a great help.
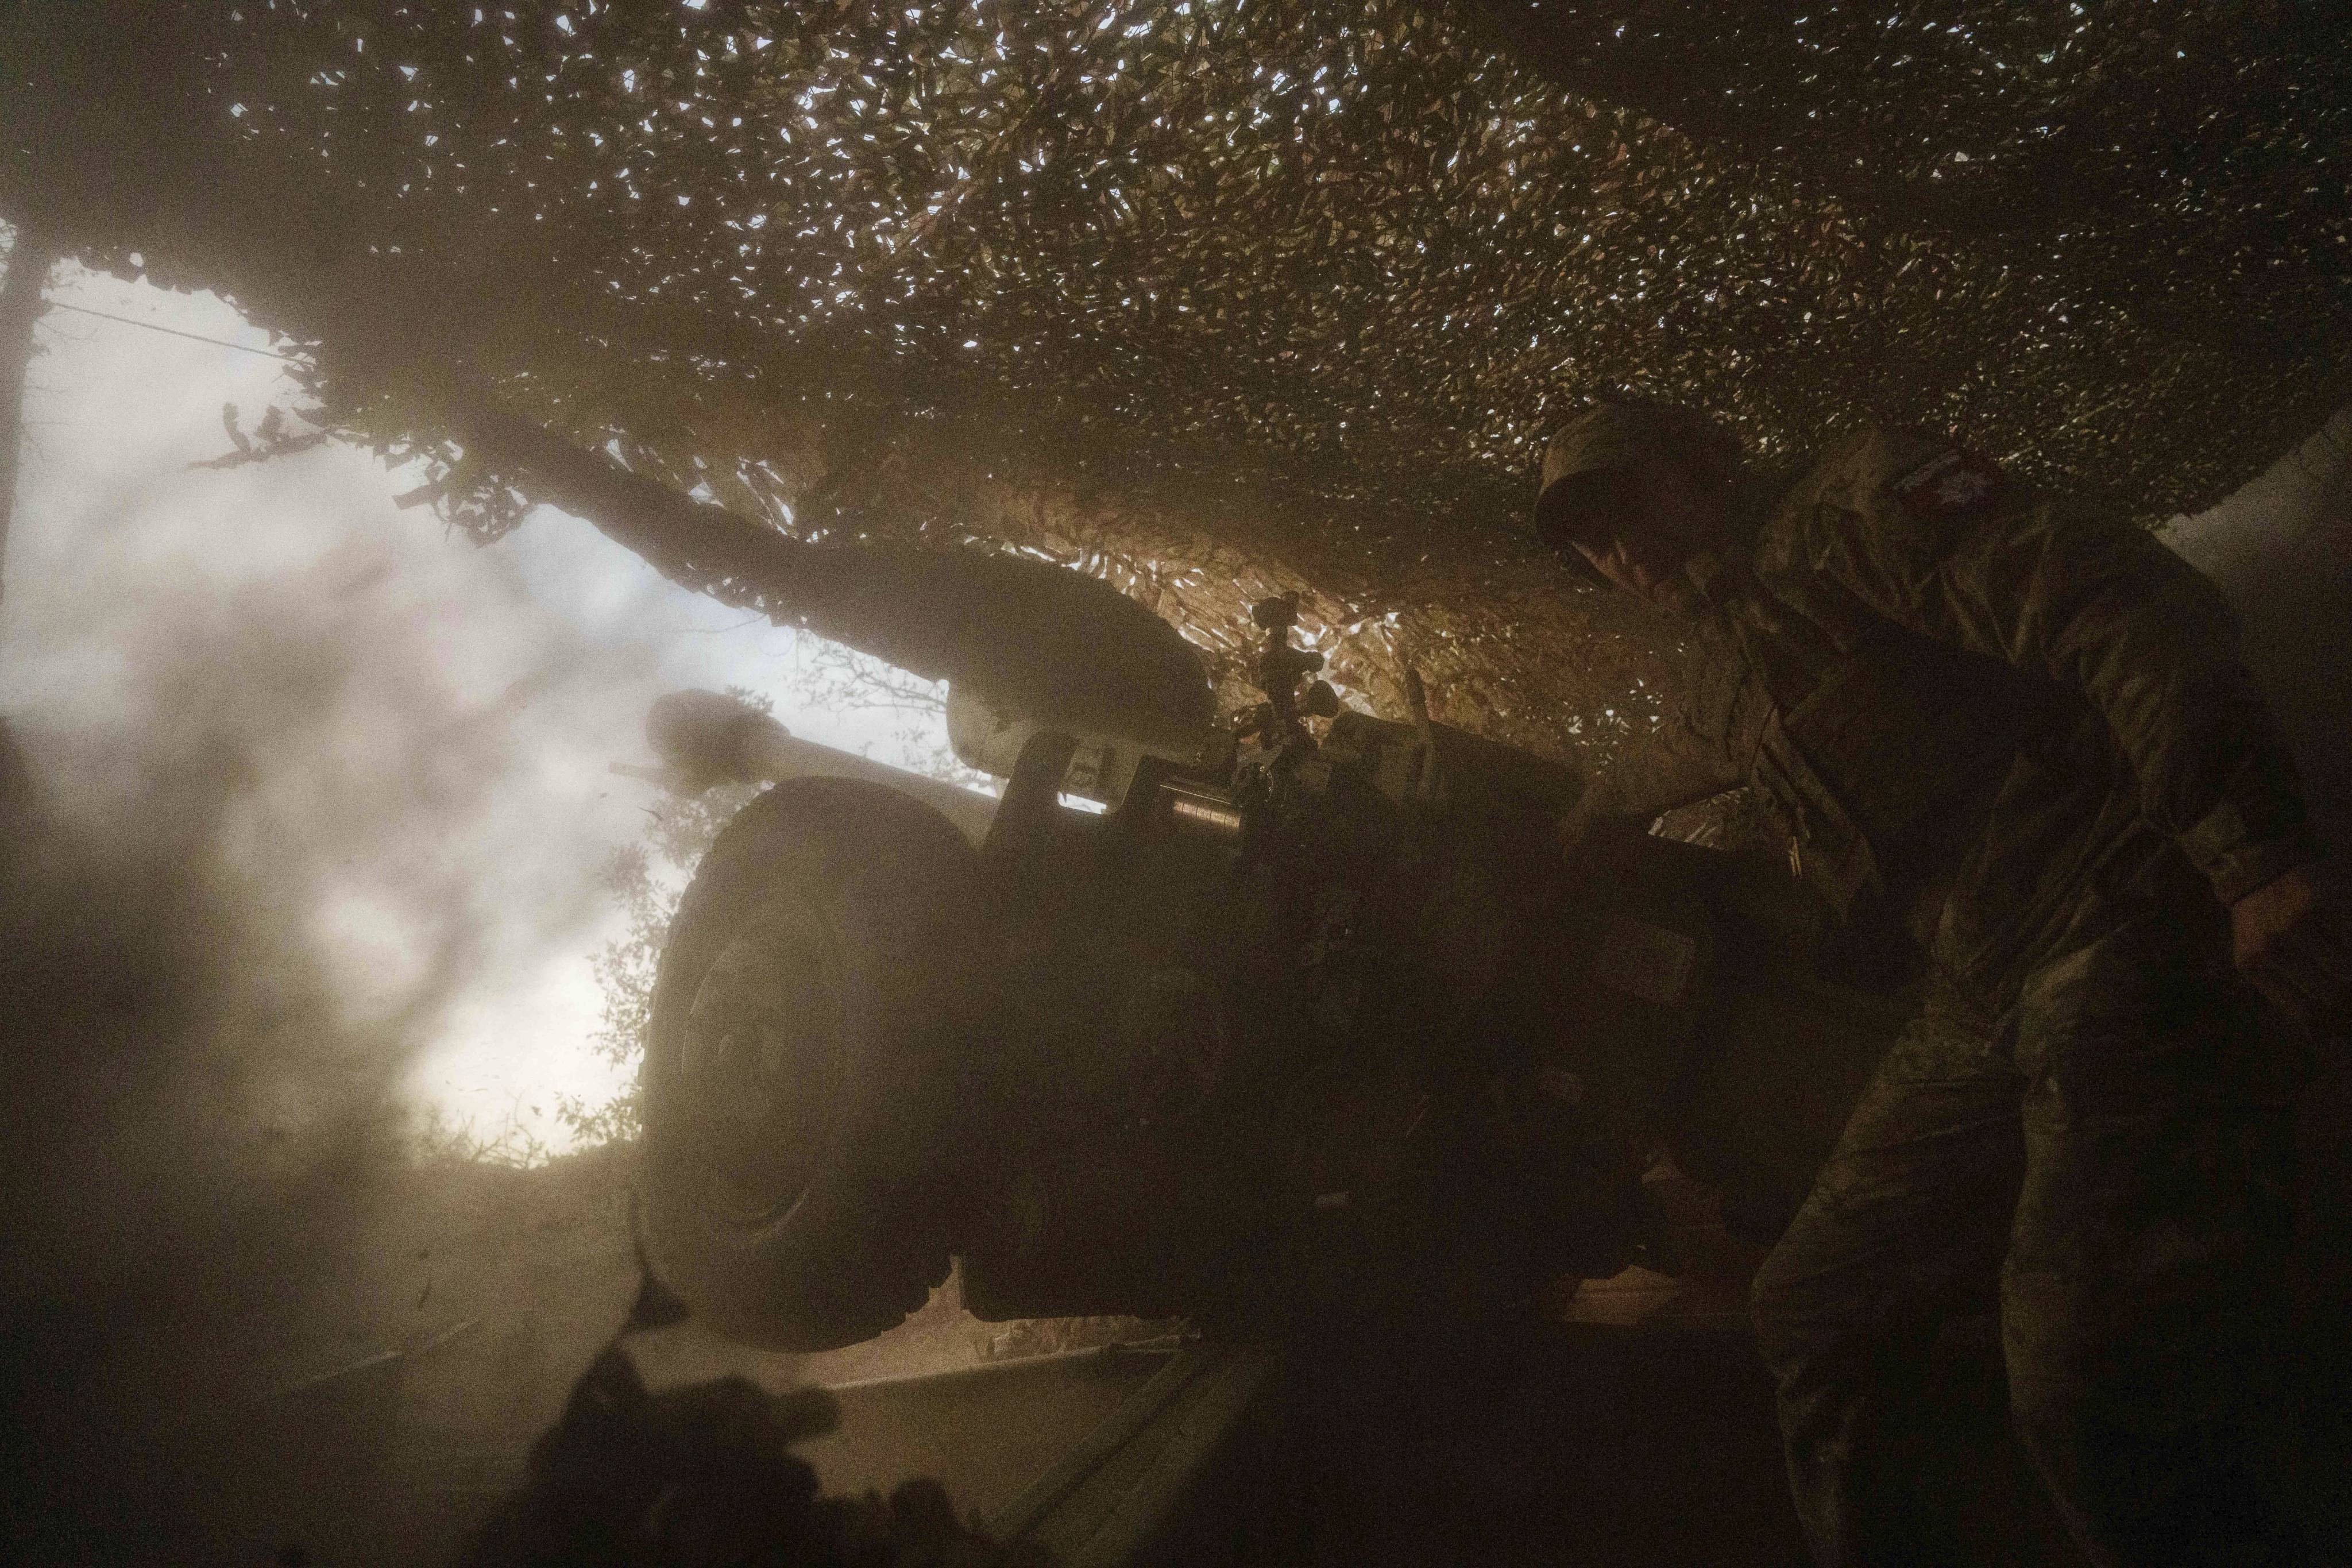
x: 1219, y: 297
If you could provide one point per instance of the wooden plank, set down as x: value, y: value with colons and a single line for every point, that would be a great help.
x: 1089, y: 1453
x: 1203, y: 1422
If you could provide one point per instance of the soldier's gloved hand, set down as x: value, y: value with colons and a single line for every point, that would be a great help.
x: 2293, y: 938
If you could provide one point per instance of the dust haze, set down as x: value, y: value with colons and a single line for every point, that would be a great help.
x: 305, y: 802
x: 246, y: 876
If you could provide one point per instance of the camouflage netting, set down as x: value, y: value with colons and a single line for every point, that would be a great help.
x: 1214, y: 298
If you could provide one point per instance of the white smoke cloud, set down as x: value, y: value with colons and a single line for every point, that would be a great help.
x: 448, y: 787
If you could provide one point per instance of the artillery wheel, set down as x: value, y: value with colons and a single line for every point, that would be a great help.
x: 819, y: 989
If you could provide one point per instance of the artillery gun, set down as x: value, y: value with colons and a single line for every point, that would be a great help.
x: 1302, y: 1020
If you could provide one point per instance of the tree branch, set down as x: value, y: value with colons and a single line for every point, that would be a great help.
x: 20, y: 307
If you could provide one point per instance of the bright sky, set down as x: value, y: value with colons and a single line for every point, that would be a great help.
x: 449, y: 779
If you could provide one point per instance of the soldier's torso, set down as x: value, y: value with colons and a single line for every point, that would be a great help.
x: 1948, y: 791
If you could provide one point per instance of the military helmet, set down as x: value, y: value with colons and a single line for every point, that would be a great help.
x: 1588, y: 459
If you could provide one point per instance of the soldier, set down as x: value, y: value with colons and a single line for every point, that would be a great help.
x: 2025, y: 734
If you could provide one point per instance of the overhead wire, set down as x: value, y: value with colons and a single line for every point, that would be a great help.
x: 173, y: 331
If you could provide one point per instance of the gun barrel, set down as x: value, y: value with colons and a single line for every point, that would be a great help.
x: 706, y: 738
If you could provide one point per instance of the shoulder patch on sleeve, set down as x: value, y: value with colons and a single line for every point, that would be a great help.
x: 1949, y: 483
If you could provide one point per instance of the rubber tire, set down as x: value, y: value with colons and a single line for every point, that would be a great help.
x: 862, y: 1240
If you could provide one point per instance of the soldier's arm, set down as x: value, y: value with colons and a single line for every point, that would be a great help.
x: 1674, y: 766
x: 2103, y: 608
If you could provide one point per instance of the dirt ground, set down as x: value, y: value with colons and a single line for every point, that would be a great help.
x: 498, y: 1285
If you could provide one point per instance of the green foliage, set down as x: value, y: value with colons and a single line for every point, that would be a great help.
x: 646, y: 880
x: 437, y: 1137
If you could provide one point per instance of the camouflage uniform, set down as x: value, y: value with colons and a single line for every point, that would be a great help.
x: 2028, y: 735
